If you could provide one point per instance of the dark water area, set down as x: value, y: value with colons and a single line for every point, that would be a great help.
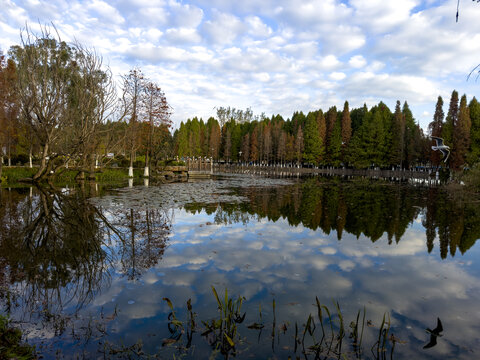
x: 314, y: 268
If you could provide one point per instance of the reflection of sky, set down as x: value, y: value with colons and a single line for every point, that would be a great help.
x: 262, y: 260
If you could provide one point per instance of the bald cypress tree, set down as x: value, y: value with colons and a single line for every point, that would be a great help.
x: 398, y: 137
x: 452, y: 116
x: 313, y: 149
x: 474, y: 110
x: 411, y: 128
x: 322, y: 132
x: 435, y: 129
x: 461, y: 135
x: 346, y: 124
x: 346, y: 127
x: 299, y: 145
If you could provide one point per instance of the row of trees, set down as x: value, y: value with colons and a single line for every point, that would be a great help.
x: 358, y: 138
x: 460, y: 130
x: 58, y: 101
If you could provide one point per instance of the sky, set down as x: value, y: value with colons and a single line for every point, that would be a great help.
x: 273, y: 56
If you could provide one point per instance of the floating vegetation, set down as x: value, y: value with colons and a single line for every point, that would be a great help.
x: 177, y: 195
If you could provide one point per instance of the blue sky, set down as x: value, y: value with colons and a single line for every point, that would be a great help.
x: 275, y: 56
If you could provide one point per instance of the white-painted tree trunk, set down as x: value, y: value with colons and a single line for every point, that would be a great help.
x: 146, y: 172
x: 30, y: 162
x: 130, y: 172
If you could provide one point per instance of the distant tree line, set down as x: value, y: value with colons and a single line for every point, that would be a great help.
x: 358, y: 138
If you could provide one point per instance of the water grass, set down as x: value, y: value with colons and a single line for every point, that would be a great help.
x: 323, y: 335
x: 11, y: 346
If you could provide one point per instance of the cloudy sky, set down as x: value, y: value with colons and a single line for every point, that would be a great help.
x: 275, y: 56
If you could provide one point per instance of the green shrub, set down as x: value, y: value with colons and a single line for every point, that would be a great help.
x: 471, y: 178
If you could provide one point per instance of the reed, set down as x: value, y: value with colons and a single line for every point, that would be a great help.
x: 323, y: 335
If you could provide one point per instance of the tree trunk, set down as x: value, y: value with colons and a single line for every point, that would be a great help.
x: 30, y: 157
x: 91, y: 173
x: 43, y: 164
x: 146, y: 172
x: 1, y: 167
x: 130, y: 169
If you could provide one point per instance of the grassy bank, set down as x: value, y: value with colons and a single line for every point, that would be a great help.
x: 12, y: 175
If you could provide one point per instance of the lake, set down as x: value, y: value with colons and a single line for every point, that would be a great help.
x: 245, y: 267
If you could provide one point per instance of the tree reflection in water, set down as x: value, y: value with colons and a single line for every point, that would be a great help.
x: 361, y: 208
x: 143, y: 233
x: 57, y: 250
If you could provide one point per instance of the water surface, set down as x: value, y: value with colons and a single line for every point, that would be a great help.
x: 84, y: 271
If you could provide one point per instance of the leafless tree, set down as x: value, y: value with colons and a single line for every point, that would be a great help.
x: 63, y: 93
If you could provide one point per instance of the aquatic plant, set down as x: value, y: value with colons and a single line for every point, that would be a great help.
x: 321, y: 336
x: 11, y: 346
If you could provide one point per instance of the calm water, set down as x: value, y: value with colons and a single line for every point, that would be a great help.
x: 84, y: 271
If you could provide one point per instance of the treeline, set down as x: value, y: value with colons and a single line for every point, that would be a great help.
x: 357, y: 138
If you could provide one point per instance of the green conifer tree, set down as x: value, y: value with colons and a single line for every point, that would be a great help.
x: 435, y: 129
x: 474, y: 154
x: 452, y: 116
x: 461, y: 135
x: 313, y: 146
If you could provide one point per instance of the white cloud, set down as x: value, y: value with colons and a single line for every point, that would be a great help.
x: 337, y: 75
x: 382, y: 16
x: 256, y: 27
x: 328, y: 62
x: 357, y: 61
x: 106, y: 12
x: 182, y: 35
x: 223, y: 28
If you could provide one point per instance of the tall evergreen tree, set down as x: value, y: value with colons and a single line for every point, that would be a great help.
x: 461, y: 135
x: 346, y: 125
x: 299, y: 145
x: 411, y: 152
x: 452, y: 116
x: 335, y: 146
x: 435, y: 129
x: 182, y: 141
x: 398, y: 136
x: 214, y: 138
x: 474, y: 154
x: 313, y: 151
